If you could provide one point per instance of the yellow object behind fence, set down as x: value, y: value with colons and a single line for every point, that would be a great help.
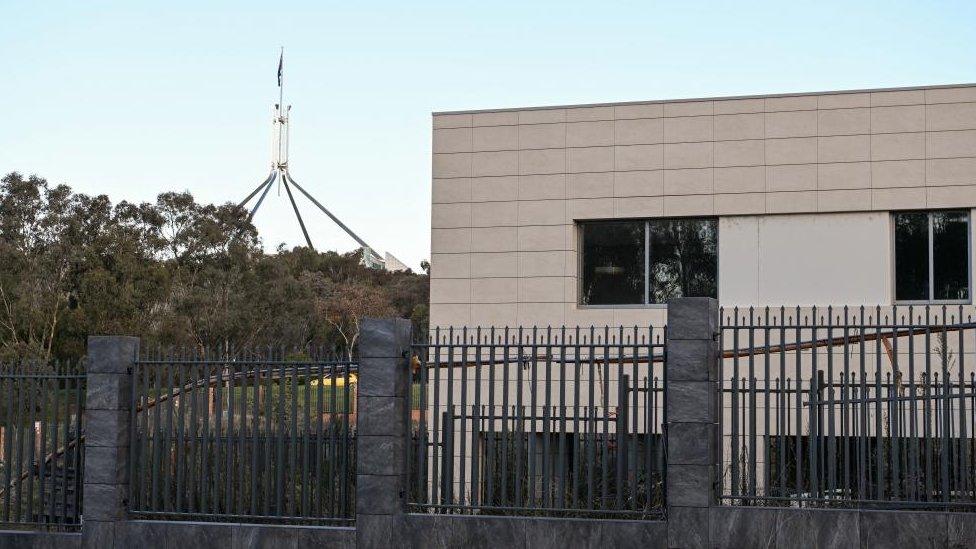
x: 338, y: 382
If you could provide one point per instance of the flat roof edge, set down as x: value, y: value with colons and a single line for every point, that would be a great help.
x: 719, y: 98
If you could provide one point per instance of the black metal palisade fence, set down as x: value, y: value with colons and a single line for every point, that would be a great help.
x: 255, y: 436
x: 845, y: 407
x: 41, y: 447
x: 561, y: 422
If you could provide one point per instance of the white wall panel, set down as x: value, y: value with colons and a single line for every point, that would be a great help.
x: 805, y: 259
x: 738, y: 260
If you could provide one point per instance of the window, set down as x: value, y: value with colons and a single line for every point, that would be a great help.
x: 932, y: 256
x: 613, y: 263
x: 647, y: 262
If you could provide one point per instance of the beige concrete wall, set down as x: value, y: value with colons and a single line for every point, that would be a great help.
x: 509, y: 185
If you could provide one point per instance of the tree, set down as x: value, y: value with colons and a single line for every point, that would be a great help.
x: 174, y: 272
x: 344, y: 304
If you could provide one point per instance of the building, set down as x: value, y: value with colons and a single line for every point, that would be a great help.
x: 597, y: 214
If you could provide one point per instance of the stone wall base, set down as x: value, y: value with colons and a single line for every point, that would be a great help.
x: 838, y: 528
x: 729, y: 527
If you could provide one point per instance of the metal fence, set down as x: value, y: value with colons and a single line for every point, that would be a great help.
x: 256, y: 436
x: 558, y: 422
x: 849, y: 408
x: 41, y: 447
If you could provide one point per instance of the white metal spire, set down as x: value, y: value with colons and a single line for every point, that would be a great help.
x: 280, y: 132
x: 279, y: 122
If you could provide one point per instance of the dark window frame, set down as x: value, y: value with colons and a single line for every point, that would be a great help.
x: 931, y: 259
x: 647, y: 260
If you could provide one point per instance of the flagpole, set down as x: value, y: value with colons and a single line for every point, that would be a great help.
x: 281, y: 80
x: 280, y: 143
x: 281, y: 114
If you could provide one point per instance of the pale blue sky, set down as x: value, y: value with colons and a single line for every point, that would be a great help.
x: 135, y: 98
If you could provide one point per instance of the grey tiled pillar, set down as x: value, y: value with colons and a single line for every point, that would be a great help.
x: 107, y: 409
x: 384, y: 346
x: 692, y: 408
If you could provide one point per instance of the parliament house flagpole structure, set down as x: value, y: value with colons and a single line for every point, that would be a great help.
x: 280, y: 174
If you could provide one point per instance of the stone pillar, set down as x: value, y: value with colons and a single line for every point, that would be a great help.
x: 381, y: 430
x: 692, y: 418
x: 107, y: 423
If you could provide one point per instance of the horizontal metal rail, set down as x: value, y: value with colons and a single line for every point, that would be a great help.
x: 845, y: 503
x: 758, y: 350
x: 542, y: 511
x: 288, y: 369
x: 257, y: 519
x: 827, y: 342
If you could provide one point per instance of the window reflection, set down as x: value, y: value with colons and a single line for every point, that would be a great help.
x: 912, y: 256
x: 950, y: 255
x: 612, y: 263
x: 683, y: 259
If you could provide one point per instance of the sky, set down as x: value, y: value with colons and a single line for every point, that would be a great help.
x: 131, y: 99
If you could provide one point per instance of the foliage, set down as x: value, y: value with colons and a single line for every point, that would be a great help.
x: 174, y: 272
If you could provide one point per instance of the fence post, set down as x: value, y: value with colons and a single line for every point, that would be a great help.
x: 381, y: 437
x: 692, y: 410
x: 107, y: 422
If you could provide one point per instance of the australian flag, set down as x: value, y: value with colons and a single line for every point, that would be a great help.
x: 281, y: 60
